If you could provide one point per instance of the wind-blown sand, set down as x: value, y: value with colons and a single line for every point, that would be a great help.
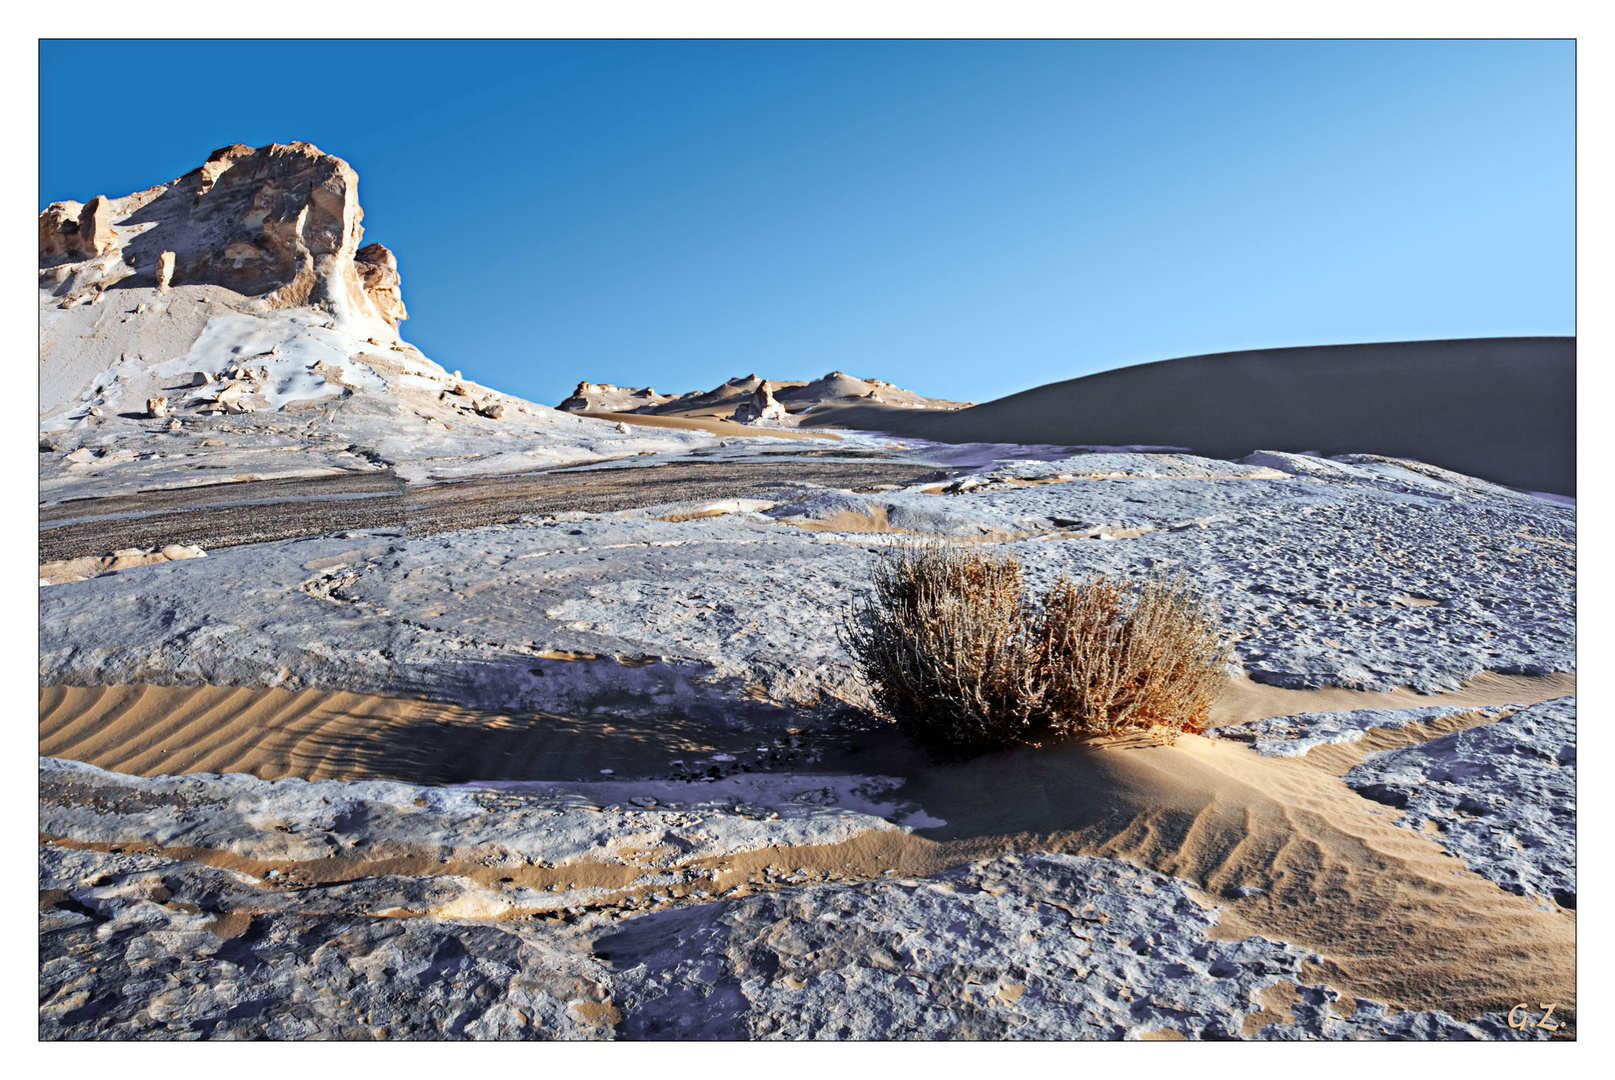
x: 1281, y: 844
x: 323, y: 735
x: 1503, y: 409
x: 270, y: 733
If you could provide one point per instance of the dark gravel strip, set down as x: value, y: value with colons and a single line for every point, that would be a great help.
x: 210, y: 520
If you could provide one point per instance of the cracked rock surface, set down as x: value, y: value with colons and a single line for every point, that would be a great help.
x: 1045, y: 946
x: 1367, y: 576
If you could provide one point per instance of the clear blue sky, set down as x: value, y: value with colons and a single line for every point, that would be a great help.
x: 966, y: 219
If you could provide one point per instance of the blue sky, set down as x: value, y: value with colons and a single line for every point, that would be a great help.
x: 966, y: 219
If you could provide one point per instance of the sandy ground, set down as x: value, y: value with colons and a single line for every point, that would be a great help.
x: 713, y: 424
x: 323, y: 735
x: 1400, y: 920
x: 1244, y: 700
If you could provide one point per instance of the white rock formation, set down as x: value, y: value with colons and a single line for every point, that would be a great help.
x: 242, y: 291
x: 604, y: 397
x: 796, y: 400
x: 760, y: 408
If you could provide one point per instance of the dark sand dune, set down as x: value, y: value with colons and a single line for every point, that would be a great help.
x: 1503, y: 409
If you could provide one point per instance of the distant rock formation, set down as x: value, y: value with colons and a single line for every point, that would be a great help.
x: 760, y: 408
x: 604, y: 397
x: 280, y: 224
x: 741, y: 399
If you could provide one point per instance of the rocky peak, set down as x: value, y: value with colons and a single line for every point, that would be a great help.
x: 279, y: 224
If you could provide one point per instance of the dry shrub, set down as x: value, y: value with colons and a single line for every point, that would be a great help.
x: 946, y: 646
x: 958, y: 656
x: 1117, y: 663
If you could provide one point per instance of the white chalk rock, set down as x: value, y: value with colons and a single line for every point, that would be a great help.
x: 176, y: 552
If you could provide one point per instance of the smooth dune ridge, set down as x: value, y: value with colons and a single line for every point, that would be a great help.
x: 1503, y: 409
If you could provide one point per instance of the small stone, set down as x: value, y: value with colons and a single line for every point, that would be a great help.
x: 176, y: 552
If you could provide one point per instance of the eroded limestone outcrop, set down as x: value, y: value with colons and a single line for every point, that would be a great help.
x: 278, y: 224
x: 760, y: 408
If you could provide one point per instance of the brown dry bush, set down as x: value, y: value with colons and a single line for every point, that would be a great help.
x: 957, y: 655
x: 946, y: 646
x: 1118, y: 662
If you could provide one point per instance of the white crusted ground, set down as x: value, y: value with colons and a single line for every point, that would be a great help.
x: 141, y: 938
x: 1501, y: 796
x: 1019, y: 947
x: 316, y: 393
x: 1366, y: 577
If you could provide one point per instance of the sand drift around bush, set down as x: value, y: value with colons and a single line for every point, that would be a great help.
x: 962, y: 659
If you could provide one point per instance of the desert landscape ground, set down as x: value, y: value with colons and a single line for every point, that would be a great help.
x: 375, y: 703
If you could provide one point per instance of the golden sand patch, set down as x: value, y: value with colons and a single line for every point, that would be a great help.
x: 335, y: 735
x: 712, y: 425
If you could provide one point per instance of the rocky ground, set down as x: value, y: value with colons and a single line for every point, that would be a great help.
x: 226, y: 907
x: 1366, y: 575
x: 386, y: 910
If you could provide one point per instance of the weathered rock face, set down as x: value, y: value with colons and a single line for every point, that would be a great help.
x: 761, y: 408
x: 280, y: 224
x: 95, y: 227
x: 71, y: 230
x: 58, y: 230
x: 378, y: 271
